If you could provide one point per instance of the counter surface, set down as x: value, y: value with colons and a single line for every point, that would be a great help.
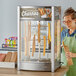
x: 13, y: 72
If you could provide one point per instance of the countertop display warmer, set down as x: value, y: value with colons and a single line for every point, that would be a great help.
x: 39, y: 31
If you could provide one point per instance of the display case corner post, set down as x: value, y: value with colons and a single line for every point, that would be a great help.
x: 18, y: 30
x: 52, y: 41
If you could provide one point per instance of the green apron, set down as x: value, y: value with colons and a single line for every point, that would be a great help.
x: 71, y: 43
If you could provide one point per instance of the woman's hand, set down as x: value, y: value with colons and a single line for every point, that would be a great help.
x: 70, y: 54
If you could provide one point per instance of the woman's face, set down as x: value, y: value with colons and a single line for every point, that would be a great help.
x: 69, y: 22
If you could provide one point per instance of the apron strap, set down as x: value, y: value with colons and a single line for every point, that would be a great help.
x: 75, y: 36
x: 66, y: 35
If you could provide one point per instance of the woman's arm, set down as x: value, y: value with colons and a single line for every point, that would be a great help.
x: 74, y: 54
x: 70, y: 54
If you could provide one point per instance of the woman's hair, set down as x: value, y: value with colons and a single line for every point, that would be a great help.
x: 70, y: 11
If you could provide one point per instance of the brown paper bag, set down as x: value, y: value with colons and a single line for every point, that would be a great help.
x: 14, y: 57
x: 69, y: 60
x: 8, y: 57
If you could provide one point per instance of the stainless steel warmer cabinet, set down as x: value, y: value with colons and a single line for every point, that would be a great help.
x: 39, y: 31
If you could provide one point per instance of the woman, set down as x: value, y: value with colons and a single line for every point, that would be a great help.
x: 69, y: 37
